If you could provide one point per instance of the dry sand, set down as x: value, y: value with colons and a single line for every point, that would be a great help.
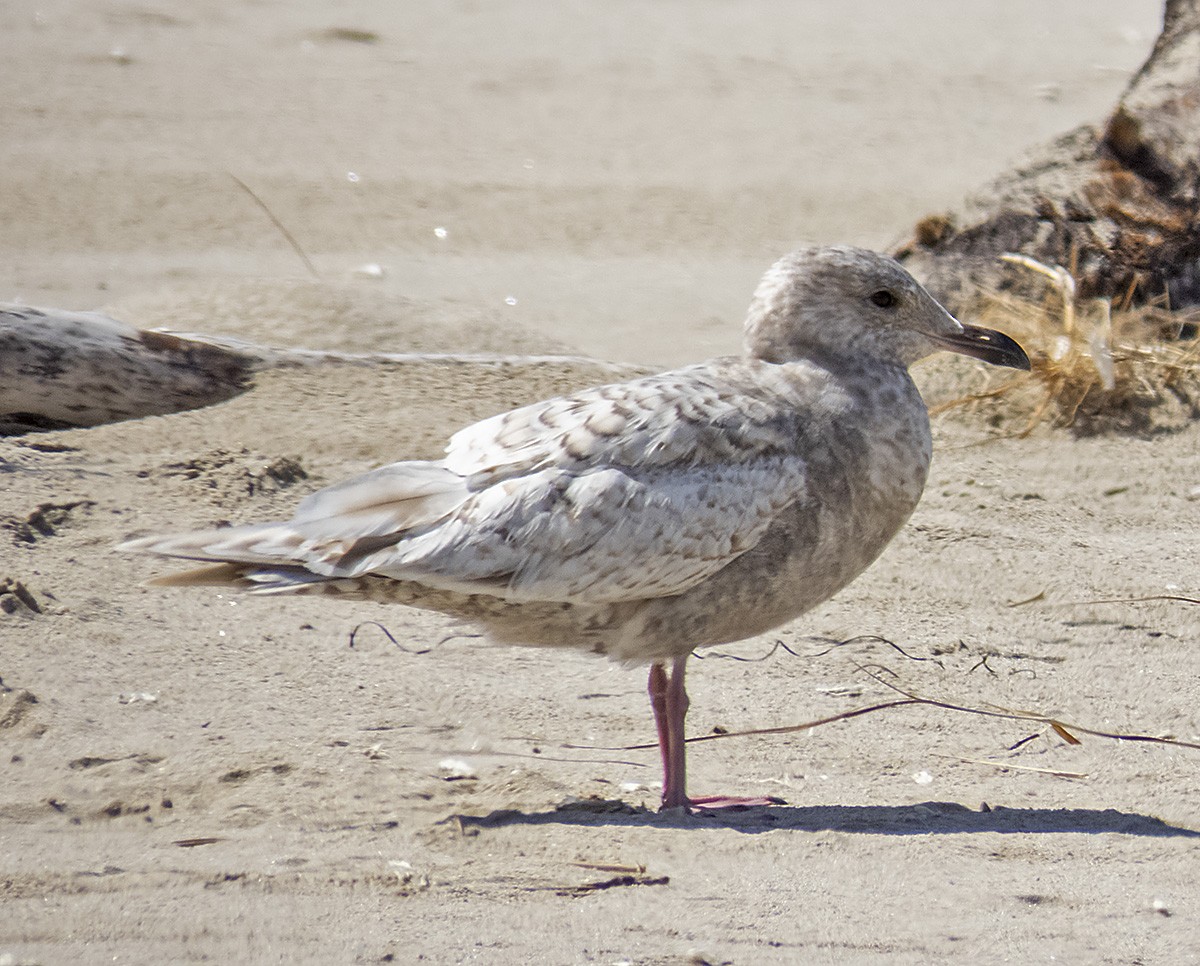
x: 624, y: 174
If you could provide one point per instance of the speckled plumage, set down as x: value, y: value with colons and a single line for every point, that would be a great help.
x: 646, y: 518
x: 60, y: 368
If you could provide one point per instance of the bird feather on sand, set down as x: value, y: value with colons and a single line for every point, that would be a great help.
x: 647, y: 518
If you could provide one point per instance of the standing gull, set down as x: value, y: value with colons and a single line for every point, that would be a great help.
x: 647, y: 518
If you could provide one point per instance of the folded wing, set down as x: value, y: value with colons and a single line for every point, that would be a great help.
x: 625, y: 492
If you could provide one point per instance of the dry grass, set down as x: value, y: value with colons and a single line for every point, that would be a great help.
x: 1096, y: 367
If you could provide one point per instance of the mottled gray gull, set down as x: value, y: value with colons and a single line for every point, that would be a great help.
x: 647, y: 518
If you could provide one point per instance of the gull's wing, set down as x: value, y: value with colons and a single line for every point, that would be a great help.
x: 597, y: 536
x: 710, y: 413
x: 624, y: 492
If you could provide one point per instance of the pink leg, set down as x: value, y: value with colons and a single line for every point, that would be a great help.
x: 675, y: 769
x: 669, y: 701
x: 658, y: 704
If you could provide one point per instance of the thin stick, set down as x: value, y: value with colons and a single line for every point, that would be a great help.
x: 1065, y: 730
x: 276, y: 222
x: 1062, y: 727
x: 786, y: 729
x: 1139, y: 600
x: 1009, y: 764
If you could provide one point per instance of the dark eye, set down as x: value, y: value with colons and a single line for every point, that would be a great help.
x: 883, y: 298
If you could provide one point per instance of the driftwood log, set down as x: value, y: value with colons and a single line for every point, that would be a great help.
x: 62, y: 369
x: 1115, y: 205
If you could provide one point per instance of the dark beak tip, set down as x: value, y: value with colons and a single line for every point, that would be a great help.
x: 1010, y: 353
x: 989, y: 346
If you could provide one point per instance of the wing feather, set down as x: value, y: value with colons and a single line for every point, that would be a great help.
x: 598, y: 536
x: 624, y: 492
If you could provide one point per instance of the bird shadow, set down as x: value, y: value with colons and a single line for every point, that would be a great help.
x: 927, y: 818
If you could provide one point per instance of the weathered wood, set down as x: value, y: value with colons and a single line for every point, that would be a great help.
x: 1117, y: 205
x: 62, y: 369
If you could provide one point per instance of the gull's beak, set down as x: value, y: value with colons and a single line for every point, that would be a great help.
x: 986, y: 344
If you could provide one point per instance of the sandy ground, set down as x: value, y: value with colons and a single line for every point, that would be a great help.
x: 194, y: 777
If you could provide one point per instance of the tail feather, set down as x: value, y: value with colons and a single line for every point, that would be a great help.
x: 330, y: 534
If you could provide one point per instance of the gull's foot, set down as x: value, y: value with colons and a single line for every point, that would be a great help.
x: 707, y: 803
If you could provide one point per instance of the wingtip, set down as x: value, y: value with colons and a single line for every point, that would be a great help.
x: 215, y: 575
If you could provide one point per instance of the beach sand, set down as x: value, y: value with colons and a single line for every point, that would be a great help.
x: 193, y: 776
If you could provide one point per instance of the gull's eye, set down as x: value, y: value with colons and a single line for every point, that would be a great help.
x: 883, y: 298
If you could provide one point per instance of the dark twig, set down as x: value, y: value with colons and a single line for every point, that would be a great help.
x: 388, y: 635
x: 277, y: 223
x: 1139, y: 600
x: 1065, y: 730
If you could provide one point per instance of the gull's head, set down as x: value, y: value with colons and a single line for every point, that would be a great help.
x: 819, y: 303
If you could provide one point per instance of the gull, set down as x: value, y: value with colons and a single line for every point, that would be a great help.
x: 645, y: 519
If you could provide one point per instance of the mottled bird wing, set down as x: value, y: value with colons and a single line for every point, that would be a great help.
x: 600, y: 535
x: 724, y: 412
x: 623, y: 492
